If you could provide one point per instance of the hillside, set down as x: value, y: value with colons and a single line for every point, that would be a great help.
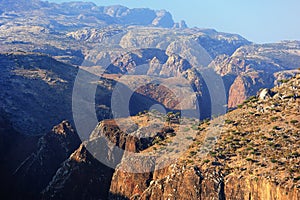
x: 110, y: 102
x: 249, y: 153
x: 253, y: 155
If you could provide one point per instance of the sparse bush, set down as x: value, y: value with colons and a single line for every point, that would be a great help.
x: 206, y: 120
x: 170, y: 113
x: 190, y: 161
x: 274, y: 118
x: 294, y: 121
x: 228, y: 121
x: 189, y: 138
x: 211, y: 138
x: 213, y: 153
x: 156, y: 140
x: 297, y: 178
x: 240, y: 106
x: 193, y: 153
x: 201, y: 129
x: 263, y: 137
x: 249, y: 148
x: 186, y: 129
x: 283, y: 81
x: 195, y: 127
x: 295, y: 154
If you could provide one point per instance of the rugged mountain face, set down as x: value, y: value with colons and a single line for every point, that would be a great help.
x: 253, y: 67
x: 80, y: 177
x: 14, y: 148
x: 256, y: 156
x: 96, y: 37
x: 35, y: 85
x: 251, y: 152
x: 52, y: 149
x: 88, y: 173
x: 44, y: 46
x: 81, y: 14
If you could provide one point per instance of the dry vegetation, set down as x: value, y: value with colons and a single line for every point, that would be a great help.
x: 261, y: 138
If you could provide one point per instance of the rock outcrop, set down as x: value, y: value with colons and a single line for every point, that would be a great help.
x: 240, y: 165
x: 80, y: 177
x: 52, y: 149
x: 254, y: 156
x: 257, y: 66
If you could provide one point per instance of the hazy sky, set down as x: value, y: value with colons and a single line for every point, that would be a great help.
x: 257, y: 20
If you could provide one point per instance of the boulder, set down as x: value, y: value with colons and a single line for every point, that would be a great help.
x: 265, y: 94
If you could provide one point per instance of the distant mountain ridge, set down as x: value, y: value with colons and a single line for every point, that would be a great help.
x: 90, y: 12
x: 44, y: 46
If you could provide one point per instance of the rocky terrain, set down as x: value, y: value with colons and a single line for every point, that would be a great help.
x: 249, y: 153
x: 97, y: 38
x: 256, y: 66
x: 254, y: 156
x: 73, y: 62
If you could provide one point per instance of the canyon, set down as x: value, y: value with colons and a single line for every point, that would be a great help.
x: 108, y: 102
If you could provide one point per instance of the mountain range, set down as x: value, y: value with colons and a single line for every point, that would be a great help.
x: 48, y: 49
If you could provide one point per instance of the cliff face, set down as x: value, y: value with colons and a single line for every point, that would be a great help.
x: 39, y: 167
x: 81, y: 13
x: 14, y: 148
x: 190, y: 182
x: 80, y: 177
x: 87, y: 173
x: 255, y: 157
x: 257, y: 66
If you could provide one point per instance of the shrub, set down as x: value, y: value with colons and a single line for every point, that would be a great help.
x: 294, y: 121
x: 213, y: 153
x: 186, y: 129
x: 206, y: 120
x: 206, y: 161
x: 249, y: 148
x: 211, y: 138
x: 190, y: 161
x: 195, y: 127
x: 295, y: 154
x: 201, y: 129
x: 297, y: 178
x: 274, y: 118
x: 170, y: 113
x: 240, y: 106
x: 228, y: 121
x: 283, y: 81
x: 189, y: 138
x: 263, y: 137
x: 156, y: 140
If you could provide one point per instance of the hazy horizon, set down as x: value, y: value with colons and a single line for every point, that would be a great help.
x: 257, y: 21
